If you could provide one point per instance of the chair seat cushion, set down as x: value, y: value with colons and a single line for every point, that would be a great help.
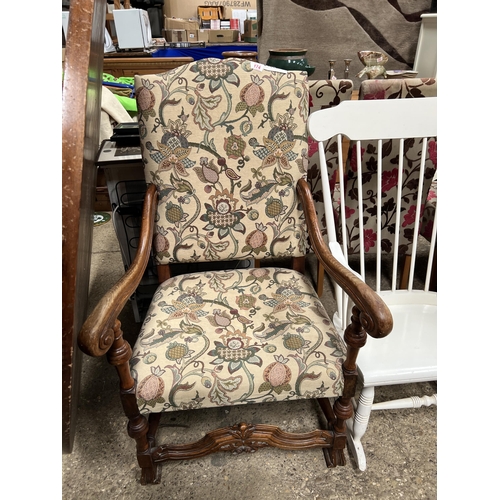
x: 204, y: 342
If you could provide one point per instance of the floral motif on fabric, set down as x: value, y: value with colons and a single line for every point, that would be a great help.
x: 225, y: 164
x: 177, y: 365
x: 324, y: 94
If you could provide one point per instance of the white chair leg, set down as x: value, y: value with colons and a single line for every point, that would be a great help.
x: 358, y: 425
x: 411, y: 402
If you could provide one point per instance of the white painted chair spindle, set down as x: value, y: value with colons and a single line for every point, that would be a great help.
x: 409, y: 353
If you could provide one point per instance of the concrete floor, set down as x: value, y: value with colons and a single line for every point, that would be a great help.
x: 401, y: 445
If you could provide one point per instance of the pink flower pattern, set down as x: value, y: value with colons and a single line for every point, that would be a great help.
x: 389, y: 180
x: 370, y: 238
x: 354, y: 158
x: 373, y: 89
x: 390, y: 89
x: 312, y: 146
x: 433, y: 152
x: 377, y: 95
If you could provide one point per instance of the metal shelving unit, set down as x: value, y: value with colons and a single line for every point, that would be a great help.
x: 126, y: 187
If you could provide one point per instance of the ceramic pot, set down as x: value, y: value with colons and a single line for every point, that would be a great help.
x: 290, y: 59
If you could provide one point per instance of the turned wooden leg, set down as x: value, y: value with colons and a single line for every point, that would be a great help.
x: 355, y: 338
x: 299, y: 264
x: 327, y: 408
x: 320, y: 279
x: 357, y: 426
x: 154, y: 423
x: 331, y: 456
x: 138, y: 426
x: 405, y: 275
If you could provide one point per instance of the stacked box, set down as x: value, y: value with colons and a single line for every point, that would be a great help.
x: 192, y: 35
x: 205, y: 13
x: 224, y: 36
x: 250, y: 34
x: 174, y: 23
x: 175, y: 35
x: 203, y: 35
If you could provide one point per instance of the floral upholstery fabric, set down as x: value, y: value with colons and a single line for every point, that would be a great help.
x: 429, y: 211
x: 225, y: 144
x: 398, y: 88
x: 389, y: 89
x: 324, y: 94
x: 178, y: 365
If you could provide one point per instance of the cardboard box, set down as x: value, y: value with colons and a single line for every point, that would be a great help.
x: 210, y: 12
x: 188, y: 9
x: 203, y: 35
x: 175, y: 35
x: 172, y: 23
x: 192, y: 35
x: 250, y: 33
x: 224, y: 36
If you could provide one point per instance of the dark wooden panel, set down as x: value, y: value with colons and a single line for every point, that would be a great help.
x: 130, y: 66
x: 81, y: 107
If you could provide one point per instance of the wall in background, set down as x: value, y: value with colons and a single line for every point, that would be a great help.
x: 189, y: 8
x: 333, y: 29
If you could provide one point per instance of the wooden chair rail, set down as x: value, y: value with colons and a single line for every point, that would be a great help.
x: 130, y: 66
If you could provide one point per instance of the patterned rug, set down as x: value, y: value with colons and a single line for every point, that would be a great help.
x: 333, y: 29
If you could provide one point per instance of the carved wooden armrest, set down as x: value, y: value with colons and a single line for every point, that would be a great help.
x: 97, y: 333
x: 375, y: 316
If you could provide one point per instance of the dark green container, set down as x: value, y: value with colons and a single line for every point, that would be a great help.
x: 290, y: 59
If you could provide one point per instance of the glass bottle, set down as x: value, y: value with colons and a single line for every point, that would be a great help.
x: 331, y: 71
x: 346, y: 70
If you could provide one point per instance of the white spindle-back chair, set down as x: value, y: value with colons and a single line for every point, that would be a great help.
x: 409, y: 354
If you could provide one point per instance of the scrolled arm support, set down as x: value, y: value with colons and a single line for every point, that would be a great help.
x: 97, y: 334
x: 374, y: 315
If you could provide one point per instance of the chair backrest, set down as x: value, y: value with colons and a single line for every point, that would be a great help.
x: 403, y: 122
x: 407, y: 88
x: 389, y: 89
x: 398, y: 88
x: 225, y: 142
x: 324, y: 94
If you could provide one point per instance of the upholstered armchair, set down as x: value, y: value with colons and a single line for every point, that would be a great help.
x: 224, y: 145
